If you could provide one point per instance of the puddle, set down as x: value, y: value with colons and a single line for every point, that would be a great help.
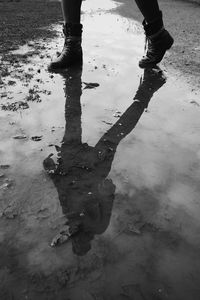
x: 113, y: 151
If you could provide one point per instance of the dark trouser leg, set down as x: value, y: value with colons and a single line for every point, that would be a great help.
x: 71, y: 11
x: 149, y: 9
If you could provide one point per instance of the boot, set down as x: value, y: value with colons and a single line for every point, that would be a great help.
x: 158, y: 41
x: 72, y: 51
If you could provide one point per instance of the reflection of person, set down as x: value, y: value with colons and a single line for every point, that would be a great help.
x: 80, y: 175
x: 158, y: 38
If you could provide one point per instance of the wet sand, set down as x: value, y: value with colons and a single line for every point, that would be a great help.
x: 110, y: 149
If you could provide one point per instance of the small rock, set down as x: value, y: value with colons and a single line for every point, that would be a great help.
x: 108, y: 123
x: 4, y: 186
x: 117, y: 114
x: 9, y: 213
x: 36, y: 138
x: 4, y: 166
x: 20, y: 137
x: 132, y: 228
x: 195, y: 103
x: 11, y: 82
x: 90, y: 85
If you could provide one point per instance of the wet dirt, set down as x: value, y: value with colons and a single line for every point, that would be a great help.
x: 107, y: 154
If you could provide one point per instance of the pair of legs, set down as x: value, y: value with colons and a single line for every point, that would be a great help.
x: 159, y: 40
x: 72, y: 8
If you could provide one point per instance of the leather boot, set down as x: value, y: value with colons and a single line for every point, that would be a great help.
x: 158, y: 41
x: 72, y: 51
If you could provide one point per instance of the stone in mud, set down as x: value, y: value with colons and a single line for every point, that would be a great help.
x: 10, y: 213
x: 7, y: 184
x: 20, y: 137
x: 4, y: 166
x: 117, y: 114
x: 15, y: 106
x: 194, y: 103
x: 11, y: 82
x: 33, y: 96
x: 134, y: 229
x: 63, y: 277
x: 90, y: 85
x: 4, y: 186
x: 3, y: 95
x: 108, y: 123
x: 60, y: 239
x: 36, y: 138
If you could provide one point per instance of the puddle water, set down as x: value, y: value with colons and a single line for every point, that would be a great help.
x: 116, y: 161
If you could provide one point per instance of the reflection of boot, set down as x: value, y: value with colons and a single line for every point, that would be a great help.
x: 158, y: 42
x: 72, y: 50
x: 151, y: 81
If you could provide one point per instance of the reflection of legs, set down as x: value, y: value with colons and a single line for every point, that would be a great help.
x: 73, y: 92
x: 159, y: 40
x: 72, y: 29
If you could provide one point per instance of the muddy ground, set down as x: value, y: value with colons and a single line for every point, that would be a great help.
x: 108, y: 149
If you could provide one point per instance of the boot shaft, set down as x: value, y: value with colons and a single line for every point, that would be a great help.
x: 72, y: 30
x: 153, y: 28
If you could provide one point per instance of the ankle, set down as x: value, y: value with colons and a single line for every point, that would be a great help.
x: 72, y: 29
x: 154, y: 27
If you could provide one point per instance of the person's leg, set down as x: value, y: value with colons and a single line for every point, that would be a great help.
x: 71, y: 11
x: 158, y: 38
x: 72, y: 29
x: 149, y: 9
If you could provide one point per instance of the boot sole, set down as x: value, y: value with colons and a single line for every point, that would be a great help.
x: 57, y: 69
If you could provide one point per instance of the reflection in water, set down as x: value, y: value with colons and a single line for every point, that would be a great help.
x: 80, y: 174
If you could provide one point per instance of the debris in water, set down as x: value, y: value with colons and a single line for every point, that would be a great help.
x: 36, y: 138
x: 11, y: 82
x: 117, y: 114
x: 195, y: 103
x: 9, y: 213
x: 60, y: 238
x: 90, y: 85
x: 108, y: 123
x: 19, y: 137
x: 4, y: 166
x: 3, y: 95
x: 6, y: 185
x: 15, y: 106
x: 133, y: 229
x: 33, y: 96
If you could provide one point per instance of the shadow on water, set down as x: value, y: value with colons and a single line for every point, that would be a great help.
x: 80, y: 173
